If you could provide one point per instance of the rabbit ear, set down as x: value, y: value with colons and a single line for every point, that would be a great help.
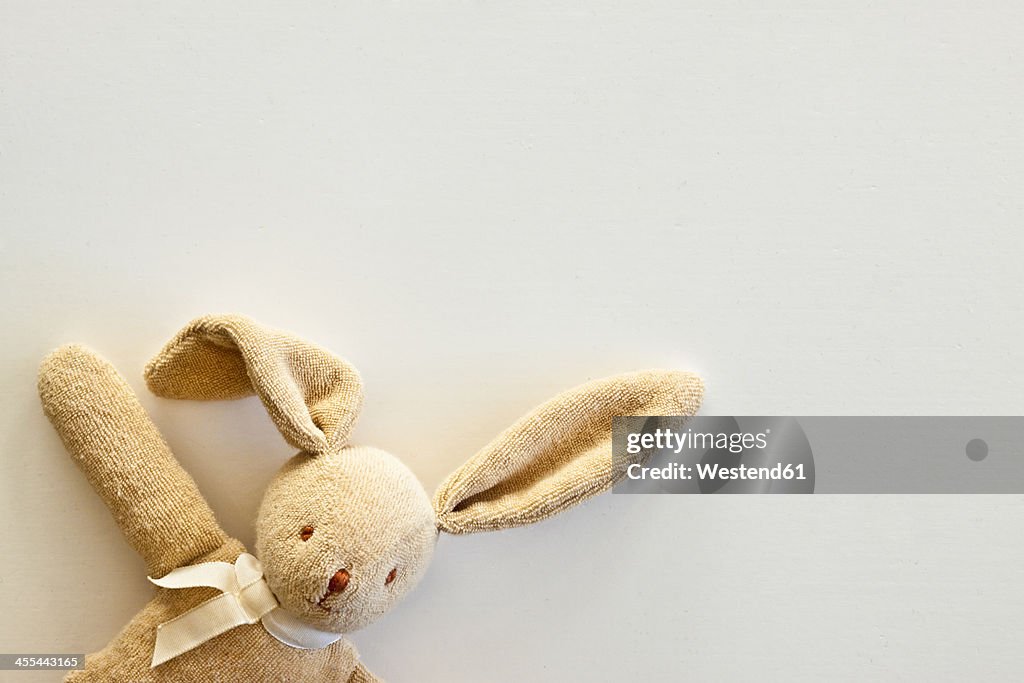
x: 312, y: 395
x: 557, y: 455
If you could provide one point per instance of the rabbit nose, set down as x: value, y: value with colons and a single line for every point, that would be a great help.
x: 339, y: 582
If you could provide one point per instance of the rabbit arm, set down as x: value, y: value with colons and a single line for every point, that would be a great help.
x: 110, y: 437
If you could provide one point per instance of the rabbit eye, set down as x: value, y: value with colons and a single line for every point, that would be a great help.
x: 306, y: 532
x: 391, y: 576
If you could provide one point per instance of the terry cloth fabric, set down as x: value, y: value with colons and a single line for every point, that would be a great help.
x: 557, y: 455
x: 313, y: 396
x: 165, y: 518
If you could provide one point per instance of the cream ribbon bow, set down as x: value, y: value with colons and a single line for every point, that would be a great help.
x: 245, y: 599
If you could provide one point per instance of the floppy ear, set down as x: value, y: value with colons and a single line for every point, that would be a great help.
x: 557, y: 455
x: 312, y: 395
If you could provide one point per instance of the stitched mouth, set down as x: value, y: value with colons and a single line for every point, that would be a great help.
x: 329, y: 603
x: 326, y: 608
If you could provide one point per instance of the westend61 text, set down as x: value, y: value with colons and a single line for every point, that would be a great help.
x: 712, y: 472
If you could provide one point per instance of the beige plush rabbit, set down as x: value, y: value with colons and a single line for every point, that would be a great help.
x: 343, y: 532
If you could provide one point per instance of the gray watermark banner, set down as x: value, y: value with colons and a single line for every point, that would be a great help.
x: 707, y: 454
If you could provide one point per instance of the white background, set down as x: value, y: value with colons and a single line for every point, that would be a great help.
x: 480, y: 204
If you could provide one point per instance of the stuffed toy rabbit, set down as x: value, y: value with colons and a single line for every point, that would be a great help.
x: 343, y: 532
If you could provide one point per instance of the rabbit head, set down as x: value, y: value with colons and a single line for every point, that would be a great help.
x: 345, y: 531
